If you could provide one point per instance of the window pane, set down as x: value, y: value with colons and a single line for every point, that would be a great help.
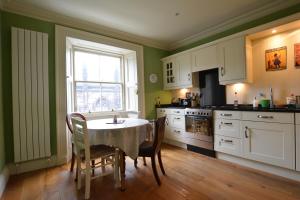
x: 110, y: 69
x: 111, y: 97
x: 88, y: 97
x: 87, y: 66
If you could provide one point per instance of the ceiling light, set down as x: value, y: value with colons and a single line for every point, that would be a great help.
x: 274, y: 31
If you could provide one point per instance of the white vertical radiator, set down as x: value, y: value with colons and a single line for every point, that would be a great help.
x: 30, y: 94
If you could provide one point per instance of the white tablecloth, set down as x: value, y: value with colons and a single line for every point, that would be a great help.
x: 126, y: 136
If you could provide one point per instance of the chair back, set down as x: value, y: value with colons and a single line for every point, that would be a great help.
x: 159, y: 133
x: 69, y: 120
x: 81, y: 137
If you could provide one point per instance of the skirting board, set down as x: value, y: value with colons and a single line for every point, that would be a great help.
x: 3, y: 180
x: 18, y: 168
x: 286, y: 173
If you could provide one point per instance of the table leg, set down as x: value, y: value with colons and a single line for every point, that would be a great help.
x: 122, y: 169
x: 117, y: 169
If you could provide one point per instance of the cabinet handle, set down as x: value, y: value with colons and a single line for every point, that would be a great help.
x: 226, y: 115
x: 167, y: 121
x: 246, y: 132
x: 227, y: 123
x: 176, y: 131
x: 226, y: 141
x: 177, y: 118
x: 264, y: 117
x: 222, y: 71
x: 176, y: 111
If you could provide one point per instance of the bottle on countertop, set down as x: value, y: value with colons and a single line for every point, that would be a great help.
x: 271, y: 98
x: 235, y: 102
x: 255, y: 102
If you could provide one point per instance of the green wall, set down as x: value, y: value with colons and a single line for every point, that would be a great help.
x: 2, y: 150
x: 263, y: 20
x: 151, y: 61
x: 153, y: 64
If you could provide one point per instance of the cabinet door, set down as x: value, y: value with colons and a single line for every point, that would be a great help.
x: 184, y: 68
x: 298, y: 147
x: 204, y: 58
x: 169, y: 71
x: 231, y: 56
x: 177, y: 121
x: 271, y: 143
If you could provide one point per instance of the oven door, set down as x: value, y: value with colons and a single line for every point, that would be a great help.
x: 199, y: 127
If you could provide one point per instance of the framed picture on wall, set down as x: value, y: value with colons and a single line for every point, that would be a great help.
x: 276, y: 59
x: 297, y: 55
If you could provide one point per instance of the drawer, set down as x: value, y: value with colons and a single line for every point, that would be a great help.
x: 225, y: 127
x: 284, y: 118
x: 224, y: 114
x: 229, y: 145
x: 174, y: 134
x: 175, y: 111
x: 297, y: 118
x: 176, y: 121
x: 160, y: 112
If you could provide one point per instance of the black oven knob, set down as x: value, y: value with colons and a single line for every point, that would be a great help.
x: 193, y: 113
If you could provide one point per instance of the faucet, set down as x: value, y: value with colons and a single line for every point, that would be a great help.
x: 271, y: 98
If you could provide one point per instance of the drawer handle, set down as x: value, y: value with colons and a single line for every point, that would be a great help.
x: 176, y: 111
x: 246, y: 132
x: 227, y: 123
x: 227, y: 141
x: 264, y: 117
x: 177, y: 118
x: 176, y: 131
x: 226, y: 115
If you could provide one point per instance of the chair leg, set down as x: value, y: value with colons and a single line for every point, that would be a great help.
x: 144, y: 159
x: 154, y: 169
x: 103, y: 165
x: 78, y: 172
x: 135, y: 163
x: 160, y: 163
x: 93, y: 170
x: 72, y: 160
x: 87, y: 182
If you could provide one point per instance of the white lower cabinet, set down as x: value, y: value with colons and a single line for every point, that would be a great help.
x: 271, y: 143
x: 228, y: 145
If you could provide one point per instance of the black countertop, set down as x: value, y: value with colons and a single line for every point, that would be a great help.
x: 285, y: 108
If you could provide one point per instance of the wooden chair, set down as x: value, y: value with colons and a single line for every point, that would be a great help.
x: 85, y: 153
x: 69, y: 124
x: 153, y: 148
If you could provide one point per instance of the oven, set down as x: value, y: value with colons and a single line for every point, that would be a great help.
x: 199, y: 126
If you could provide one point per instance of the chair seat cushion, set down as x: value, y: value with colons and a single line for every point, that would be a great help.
x: 146, y: 148
x: 98, y: 151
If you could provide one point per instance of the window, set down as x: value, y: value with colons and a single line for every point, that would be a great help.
x: 98, y: 81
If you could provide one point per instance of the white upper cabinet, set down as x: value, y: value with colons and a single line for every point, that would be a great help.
x: 183, y: 63
x: 169, y: 73
x: 178, y: 72
x: 204, y: 58
x: 234, y: 61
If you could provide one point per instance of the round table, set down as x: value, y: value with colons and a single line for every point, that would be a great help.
x: 126, y: 136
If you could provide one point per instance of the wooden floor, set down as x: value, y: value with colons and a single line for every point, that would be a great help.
x: 189, y: 176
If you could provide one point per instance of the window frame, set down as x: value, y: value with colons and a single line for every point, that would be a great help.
x: 122, y: 71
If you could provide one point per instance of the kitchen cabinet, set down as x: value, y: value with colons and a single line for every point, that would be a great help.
x: 298, y: 141
x: 234, y: 61
x: 175, y: 123
x: 169, y: 73
x: 271, y: 143
x: 184, y: 70
x: 177, y: 72
x: 204, y: 58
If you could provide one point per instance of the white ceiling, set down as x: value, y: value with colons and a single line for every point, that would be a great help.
x: 156, y: 19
